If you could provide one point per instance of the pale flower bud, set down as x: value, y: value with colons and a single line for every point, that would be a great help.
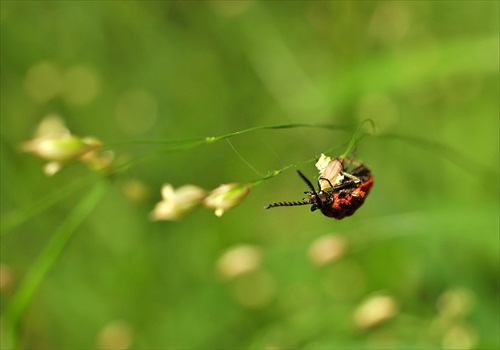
x: 177, y: 203
x: 54, y: 142
x: 51, y: 125
x: 58, y: 148
x: 96, y: 158
x: 226, y: 196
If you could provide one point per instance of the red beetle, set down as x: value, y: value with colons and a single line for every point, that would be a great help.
x: 339, y: 193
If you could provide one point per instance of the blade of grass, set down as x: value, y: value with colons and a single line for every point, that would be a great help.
x: 182, y: 144
x: 16, y: 218
x: 35, y: 275
x: 358, y: 135
x: 187, y: 144
x: 467, y: 164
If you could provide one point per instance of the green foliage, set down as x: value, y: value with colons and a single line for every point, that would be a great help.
x: 213, y: 92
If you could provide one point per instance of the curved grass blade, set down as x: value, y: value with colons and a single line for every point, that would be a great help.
x: 35, y: 275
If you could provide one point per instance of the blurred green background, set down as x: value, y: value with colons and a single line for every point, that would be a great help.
x: 416, y: 267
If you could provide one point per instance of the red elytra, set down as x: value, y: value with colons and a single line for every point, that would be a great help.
x: 345, y: 203
x: 344, y: 195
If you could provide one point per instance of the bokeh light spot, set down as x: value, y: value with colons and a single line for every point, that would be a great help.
x: 460, y: 337
x: 239, y: 260
x: 375, y: 310
x: 390, y: 22
x: 81, y: 84
x: 347, y: 282
x: 135, y: 190
x: 136, y: 112
x: 455, y: 302
x: 5, y: 278
x: 381, y: 109
x: 327, y: 249
x: 116, y: 335
x: 43, y: 81
x: 230, y: 8
x: 255, y: 289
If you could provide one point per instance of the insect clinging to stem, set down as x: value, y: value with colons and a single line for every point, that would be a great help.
x: 340, y: 193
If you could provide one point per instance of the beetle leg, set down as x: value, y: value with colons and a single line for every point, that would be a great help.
x: 353, y: 178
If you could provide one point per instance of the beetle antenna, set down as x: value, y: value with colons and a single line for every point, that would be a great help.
x: 310, y: 185
x: 306, y: 180
x: 286, y: 204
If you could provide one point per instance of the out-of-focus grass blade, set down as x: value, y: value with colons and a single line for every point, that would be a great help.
x: 24, y: 294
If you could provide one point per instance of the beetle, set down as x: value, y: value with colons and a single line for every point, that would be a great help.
x: 339, y: 193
